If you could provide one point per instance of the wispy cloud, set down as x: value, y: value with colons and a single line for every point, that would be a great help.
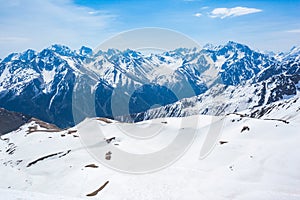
x: 232, y: 12
x: 13, y: 39
x: 197, y: 14
x: 38, y: 24
x: 293, y: 31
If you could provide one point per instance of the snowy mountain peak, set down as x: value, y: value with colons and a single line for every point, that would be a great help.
x: 294, y: 53
x: 62, y: 50
x: 209, y: 46
x: 85, y: 51
x: 131, y: 53
x: 295, y: 50
x: 10, y: 57
x: 235, y: 44
x: 28, y: 55
x: 234, y: 47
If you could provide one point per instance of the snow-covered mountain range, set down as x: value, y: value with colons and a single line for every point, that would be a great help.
x: 213, y: 80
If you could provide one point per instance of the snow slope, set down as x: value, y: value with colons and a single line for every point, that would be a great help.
x: 260, y: 163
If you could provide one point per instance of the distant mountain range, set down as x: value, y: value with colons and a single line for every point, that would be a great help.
x: 58, y: 83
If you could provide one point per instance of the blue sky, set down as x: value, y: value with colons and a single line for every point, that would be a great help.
x: 261, y: 24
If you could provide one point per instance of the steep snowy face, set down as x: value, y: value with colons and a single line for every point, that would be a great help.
x: 238, y: 63
x: 14, y: 77
x: 229, y: 64
x: 220, y: 99
x: 287, y: 64
x: 39, y: 84
x: 45, y: 68
x: 121, y: 68
x: 292, y: 61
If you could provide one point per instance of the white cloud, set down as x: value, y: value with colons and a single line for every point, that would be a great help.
x: 294, y: 31
x: 232, y: 12
x: 198, y: 15
x: 38, y: 24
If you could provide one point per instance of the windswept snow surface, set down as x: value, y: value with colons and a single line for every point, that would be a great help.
x: 261, y: 163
